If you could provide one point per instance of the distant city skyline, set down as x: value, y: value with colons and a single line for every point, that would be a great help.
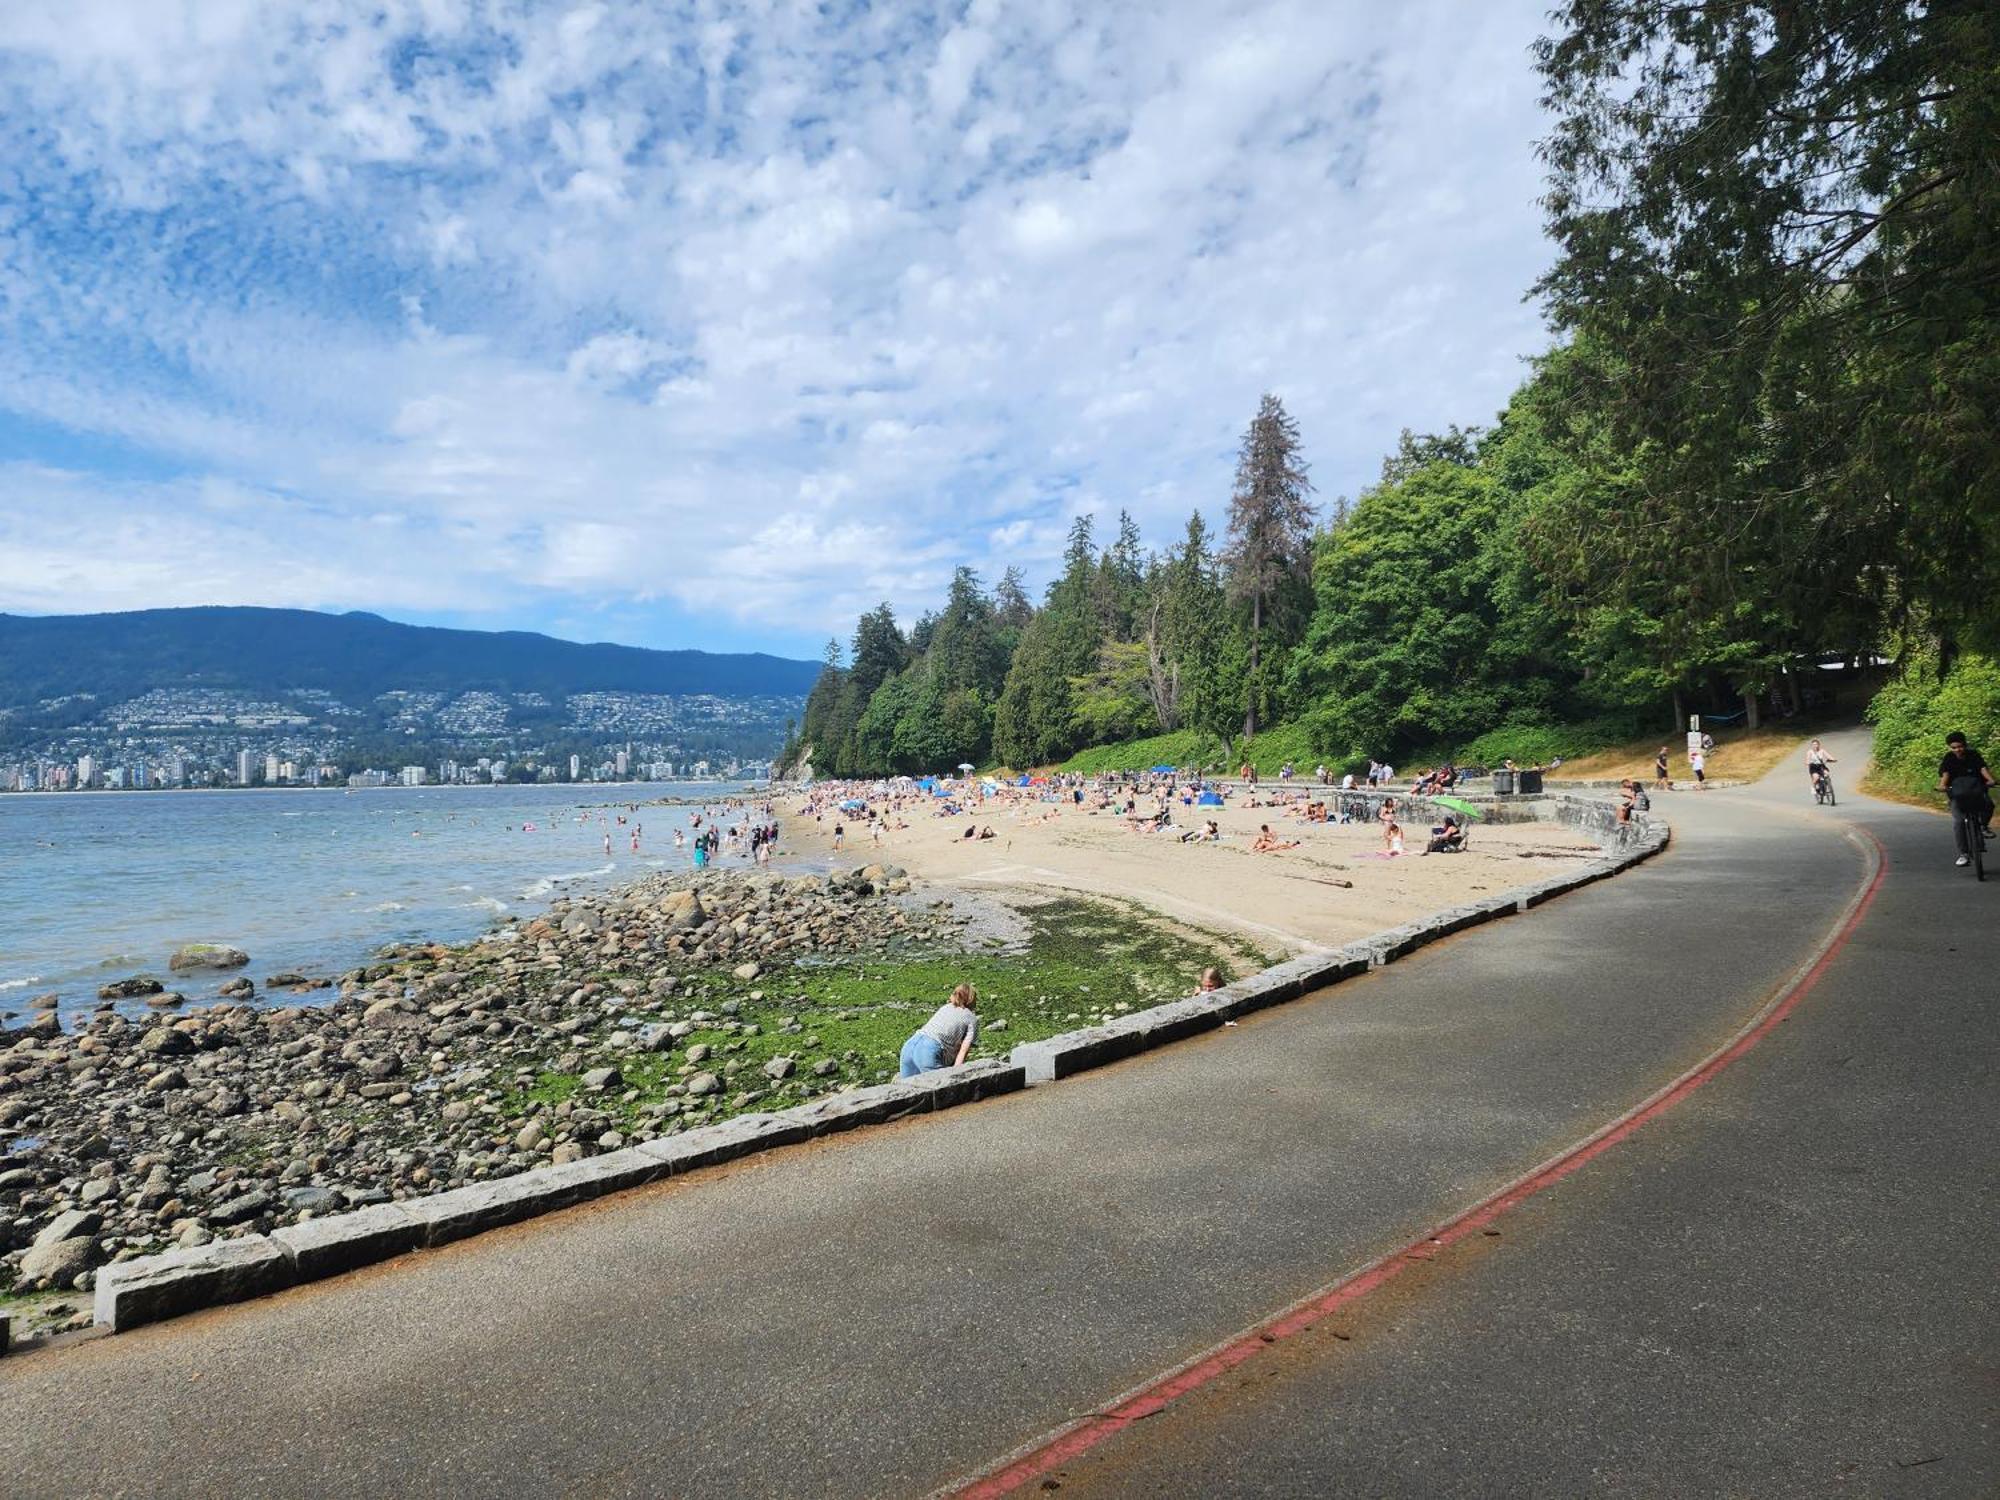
x: 475, y: 321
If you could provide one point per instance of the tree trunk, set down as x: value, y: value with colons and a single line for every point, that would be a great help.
x: 1752, y: 712
x: 1680, y: 713
x: 1792, y: 683
x: 1256, y: 635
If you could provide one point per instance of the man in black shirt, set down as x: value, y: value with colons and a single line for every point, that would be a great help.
x: 1964, y: 778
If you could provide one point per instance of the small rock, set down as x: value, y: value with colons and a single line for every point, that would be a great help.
x: 315, y: 1200
x: 124, y: 989
x: 166, y: 1041
x: 207, y: 956
x: 779, y: 1068
x: 597, y: 1080
x: 243, y: 1206
x: 704, y: 1083
x: 531, y: 1136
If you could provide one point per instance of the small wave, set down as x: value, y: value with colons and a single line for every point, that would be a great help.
x: 20, y: 984
x: 461, y: 887
x: 548, y: 883
x: 485, y: 903
x: 390, y: 906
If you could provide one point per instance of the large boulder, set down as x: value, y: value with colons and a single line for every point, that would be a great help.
x: 683, y: 911
x: 207, y: 956
x: 59, y: 1262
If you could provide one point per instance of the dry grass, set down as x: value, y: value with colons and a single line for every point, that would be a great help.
x: 1739, y: 755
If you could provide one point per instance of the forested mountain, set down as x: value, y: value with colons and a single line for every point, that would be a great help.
x: 354, y: 657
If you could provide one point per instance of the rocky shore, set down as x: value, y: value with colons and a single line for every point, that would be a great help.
x: 612, y: 1019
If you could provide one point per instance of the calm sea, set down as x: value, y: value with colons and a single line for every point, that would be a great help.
x: 95, y: 886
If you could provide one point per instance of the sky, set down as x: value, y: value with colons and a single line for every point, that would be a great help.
x: 716, y: 322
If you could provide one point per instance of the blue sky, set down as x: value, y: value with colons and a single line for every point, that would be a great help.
x: 715, y: 323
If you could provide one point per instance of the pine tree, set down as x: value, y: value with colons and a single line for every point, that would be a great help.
x: 1270, y: 534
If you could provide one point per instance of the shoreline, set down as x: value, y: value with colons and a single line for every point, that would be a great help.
x: 619, y: 1016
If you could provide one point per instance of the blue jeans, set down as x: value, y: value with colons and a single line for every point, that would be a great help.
x: 921, y: 1054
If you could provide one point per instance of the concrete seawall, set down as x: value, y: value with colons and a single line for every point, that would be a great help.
x: 130, y: 1294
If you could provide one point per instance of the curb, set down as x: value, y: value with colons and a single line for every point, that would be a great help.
x: 130, y: 1294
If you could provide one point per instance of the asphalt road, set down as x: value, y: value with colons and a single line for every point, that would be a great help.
x: 888, y: 1312
x: 1786, y: 1285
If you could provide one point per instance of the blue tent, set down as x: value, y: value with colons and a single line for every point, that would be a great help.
x: 1209, y: 799
x: 928, y: 783
x: 938, y: 791
x: 1023, y: 781
x: 1163, y: 770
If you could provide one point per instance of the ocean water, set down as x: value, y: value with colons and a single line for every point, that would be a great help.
x: 96, y: 886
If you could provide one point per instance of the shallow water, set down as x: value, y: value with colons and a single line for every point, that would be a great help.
x: 95, y: 886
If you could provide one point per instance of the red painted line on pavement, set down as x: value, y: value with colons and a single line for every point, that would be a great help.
x: 1073, y: 1441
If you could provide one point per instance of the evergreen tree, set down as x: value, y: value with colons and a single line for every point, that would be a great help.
x: 1011, y: 609
x: 1779, y: 225
x: 1270, y: 532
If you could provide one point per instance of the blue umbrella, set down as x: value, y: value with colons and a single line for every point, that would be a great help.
x: 1163, y: 770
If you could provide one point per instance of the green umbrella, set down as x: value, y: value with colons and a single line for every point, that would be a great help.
x: 1460, y: 806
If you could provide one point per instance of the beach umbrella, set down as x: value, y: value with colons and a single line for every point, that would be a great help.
x: 1460, y: 806
x: 852, y: 804
x: 1163, y: 770
x: 964, y: 766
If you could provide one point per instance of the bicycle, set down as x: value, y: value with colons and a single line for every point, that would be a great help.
x: 1972, y: 839
x: 1823, y: 789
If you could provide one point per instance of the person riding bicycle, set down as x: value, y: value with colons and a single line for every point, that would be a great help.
x: 1965, y: 780
x: 1817, y: 760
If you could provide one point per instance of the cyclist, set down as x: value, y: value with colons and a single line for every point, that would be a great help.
x: 1964, y: 779
x: 1817, y: 760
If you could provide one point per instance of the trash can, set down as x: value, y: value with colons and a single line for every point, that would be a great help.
x: 1503, y: 783
x: 1531, y: 783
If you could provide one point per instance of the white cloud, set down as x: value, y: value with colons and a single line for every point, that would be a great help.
x: 739, y: 309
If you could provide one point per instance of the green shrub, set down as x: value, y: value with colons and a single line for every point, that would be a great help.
x: 1185, y: 747
x: 1915, y: 711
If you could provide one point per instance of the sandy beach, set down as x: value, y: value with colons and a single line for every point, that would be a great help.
x: 1290, y: 899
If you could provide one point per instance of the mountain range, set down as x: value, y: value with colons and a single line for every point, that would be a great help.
x: 355, y: 657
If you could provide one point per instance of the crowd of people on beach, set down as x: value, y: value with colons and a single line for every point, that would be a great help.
x: 1162, y: 801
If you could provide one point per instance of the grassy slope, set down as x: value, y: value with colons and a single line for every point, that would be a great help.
x: 1268, y: 751
x: 1739, y: 755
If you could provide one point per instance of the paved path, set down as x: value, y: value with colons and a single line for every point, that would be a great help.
x: 888, y: 1312
x: 1785, y: 1286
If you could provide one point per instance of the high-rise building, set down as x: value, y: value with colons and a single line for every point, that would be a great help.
x: 575, y: 768
x: 243, y: 772
x: 86, y: 770
x: 414, y: 776
x: 621, y: 762
x: 273, y: 771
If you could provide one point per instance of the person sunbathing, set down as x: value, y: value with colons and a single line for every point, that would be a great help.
x: 1268, y: 842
